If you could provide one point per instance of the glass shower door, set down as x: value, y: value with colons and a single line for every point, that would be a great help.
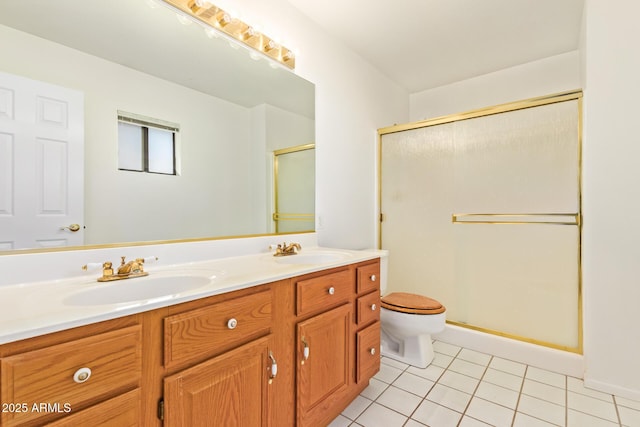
x: 483, y: 214
x: 516, y: 223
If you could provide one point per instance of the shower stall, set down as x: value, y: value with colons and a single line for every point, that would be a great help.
x: 482, y: 211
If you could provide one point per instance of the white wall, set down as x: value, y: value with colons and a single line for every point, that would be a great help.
x: 544, y: 77
x: 611, y: 252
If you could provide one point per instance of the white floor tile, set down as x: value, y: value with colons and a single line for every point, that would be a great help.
x: 503, y: 379
x: 547, y: 377
x: 546, y: 411
x: 449, y: 397
x: 387, y: 373
x: 399, y: 400
x: 577, y: 385
x: 472, y: 422
x: 490, y: 413
x: 474, y: 357
x: 374, y: 389
x: 356, y: 407
x: 431, y: 372
x: 508, y: 366
x: 580, y: 419
x: 434, y: 415
x: 341, y: 421
x: 413, y: 423
x: 459, y: 381
x: 445, y: 348
x: 379, y: 416
x: 633, y: 404
x: 414, y: 384
x: 441, y: 360
x: 467, y: 368
x: 495, y: 393
x: 592, y: 406
x: 394, y: 363
x: 629, y: 417
x: 545, y: 392
x: 523, y: 420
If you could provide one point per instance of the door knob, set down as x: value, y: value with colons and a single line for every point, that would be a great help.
x: 73, y: 228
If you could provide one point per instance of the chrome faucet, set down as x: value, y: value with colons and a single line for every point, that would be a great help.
x: 284, y: 249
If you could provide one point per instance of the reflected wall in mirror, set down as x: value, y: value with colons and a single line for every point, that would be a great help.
x: 233, y: 111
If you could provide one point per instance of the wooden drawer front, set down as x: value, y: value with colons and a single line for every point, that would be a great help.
x: 368, y: 359
x: 121, y: 411
x: 47, y: 375
x: 368, y: 308
x: 368, y: 277
x: 209, y: 330
x: 323, y: 292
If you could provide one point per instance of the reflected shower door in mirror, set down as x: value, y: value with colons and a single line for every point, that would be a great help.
x: 294, y: 177
x: 123, y: 55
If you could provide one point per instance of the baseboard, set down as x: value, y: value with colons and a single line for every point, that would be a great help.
x: 610, y: 388
x: 559, y: 361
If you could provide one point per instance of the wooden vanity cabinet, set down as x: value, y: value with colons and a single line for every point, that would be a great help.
x: 337, y: 347
x: 230, y: 339
x: 208, y: 362
x: 83, y: 376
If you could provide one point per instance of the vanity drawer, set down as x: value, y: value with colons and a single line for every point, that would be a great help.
x: 210, y: 330
x: 368, y: 352
x: 323, y: 292
x: 368, y: 308
x: 121, y: 411
x: 46, y: 376
x: 368, y: 277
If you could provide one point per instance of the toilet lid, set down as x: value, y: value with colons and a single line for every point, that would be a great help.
x: 411, y: 303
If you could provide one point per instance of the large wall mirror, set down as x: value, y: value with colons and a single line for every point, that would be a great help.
x: 75, y: 67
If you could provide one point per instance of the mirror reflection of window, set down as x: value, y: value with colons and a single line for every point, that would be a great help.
x: 146, y: 145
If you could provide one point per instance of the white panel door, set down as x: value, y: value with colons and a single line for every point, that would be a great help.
x: 41, y: 164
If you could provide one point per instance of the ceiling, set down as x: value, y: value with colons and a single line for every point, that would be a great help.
x: 421, y: 44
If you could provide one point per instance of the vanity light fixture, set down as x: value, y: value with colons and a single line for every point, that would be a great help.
x: 219, y: 20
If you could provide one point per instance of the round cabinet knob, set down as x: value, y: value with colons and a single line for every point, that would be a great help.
x: 82, y: 375
x: 332, y: 290
x: 372, y: 277
x: 373, y: 307
x: 232, y: 323
x: 372, y: 351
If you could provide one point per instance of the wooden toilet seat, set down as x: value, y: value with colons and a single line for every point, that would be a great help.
x: 404, y: 302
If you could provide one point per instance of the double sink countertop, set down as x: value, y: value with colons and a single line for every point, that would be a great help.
x: 32, y: 309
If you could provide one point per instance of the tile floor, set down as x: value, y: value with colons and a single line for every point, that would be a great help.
x: 469, y: 389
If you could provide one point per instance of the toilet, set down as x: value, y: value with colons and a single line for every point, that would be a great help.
x: 407, y: 321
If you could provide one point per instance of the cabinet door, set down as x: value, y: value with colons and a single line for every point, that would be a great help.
x: 229, y: 390
x: 323, y: 374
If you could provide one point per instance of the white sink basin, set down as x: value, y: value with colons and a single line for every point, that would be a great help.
x: 137, y: 289
x: 322, y: 257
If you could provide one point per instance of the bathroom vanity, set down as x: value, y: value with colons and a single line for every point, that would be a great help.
x: 265, y: 343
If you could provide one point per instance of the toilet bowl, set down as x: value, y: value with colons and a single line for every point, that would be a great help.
x: 407, y: 321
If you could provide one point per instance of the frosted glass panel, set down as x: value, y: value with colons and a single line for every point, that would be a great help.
x: 161, y: 151
x: 130, y: 152
x: 417, y: 196
x: 295, y: 191
x: 519, y: 278
x: 523, y: 161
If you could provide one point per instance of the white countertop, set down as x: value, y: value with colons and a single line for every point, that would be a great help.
x: 32, y: 309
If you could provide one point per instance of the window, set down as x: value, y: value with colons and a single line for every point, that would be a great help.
x: 146, y: 144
